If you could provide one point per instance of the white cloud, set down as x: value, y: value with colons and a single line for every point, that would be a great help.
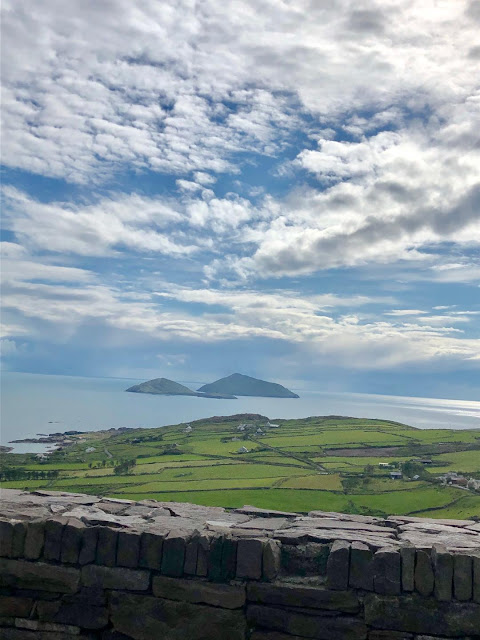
x: 179, y: 89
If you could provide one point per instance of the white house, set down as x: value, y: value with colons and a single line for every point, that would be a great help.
x: 243, y: 450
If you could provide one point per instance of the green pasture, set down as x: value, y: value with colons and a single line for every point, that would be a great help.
x: 281, y: 470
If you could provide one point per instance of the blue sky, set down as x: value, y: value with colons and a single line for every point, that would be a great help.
x: 288, y: 190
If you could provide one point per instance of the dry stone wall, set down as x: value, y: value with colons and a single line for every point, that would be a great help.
x: 73, y: 565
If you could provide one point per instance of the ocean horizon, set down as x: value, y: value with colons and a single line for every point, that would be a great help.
x: 35, y: 404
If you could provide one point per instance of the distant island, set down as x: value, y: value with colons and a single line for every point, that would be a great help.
x: 165, y: 387
x: 241, y: 385
x: 224, y: 389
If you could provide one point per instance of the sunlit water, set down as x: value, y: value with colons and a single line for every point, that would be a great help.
x: 33, y: 404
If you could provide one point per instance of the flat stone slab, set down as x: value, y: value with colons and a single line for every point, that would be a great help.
x: 247, y: 522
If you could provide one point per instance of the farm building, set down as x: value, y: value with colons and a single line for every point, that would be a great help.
x: 396, y: 475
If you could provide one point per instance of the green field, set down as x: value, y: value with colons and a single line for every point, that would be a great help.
x: 329, y: 463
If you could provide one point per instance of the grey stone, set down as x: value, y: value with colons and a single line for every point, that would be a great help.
x: 349, y: 517
x: 462, y: 577
x: 476, y: 579
x: 229, y: 558
x: 417, y: 614
x: 342, y: 525
x: 151, y: 545
x: 338, y: 565
x: 407, y: 555
x: 107, y: 546
x: 36, y: 625
x: 191, y: 556
x: 443, y: 571
x: 88, y: 546
x: 424, y: 577
x: 199, y: 591
x: 306, y: 623
x: 71, y: 541
x: 300, y: 595
x: 387, y: 571
x: 147, y: 617
x: 214, y: 563
x: 267, y: 513
x: 249, y: 558
x: 34, y: 540
x: 273, y: 635
x: 389, y: 635
x: 18, y: 539
x: 38, y: 576
x: 305, y: 560
x: 6, y: 537
x: 53, y: 537
x: 173, y: 554
x: 264, y: 524
x: 272, y: 559
x: 128, y: 549
x: 81, y: 614
x: 361, y: 567
x: 203, y: 550
x: 115, y: 578
x: 15, y: 607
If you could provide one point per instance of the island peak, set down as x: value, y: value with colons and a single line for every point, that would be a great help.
x: 242, y: 385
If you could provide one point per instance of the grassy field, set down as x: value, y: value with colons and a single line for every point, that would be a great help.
x: 330, y: 463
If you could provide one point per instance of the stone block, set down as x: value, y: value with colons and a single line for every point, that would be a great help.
x: 88, y: 546
x: 198, y: 591
x: 249, y: 558
x: 81, y: 614
x: 151, y: 545
x: 38, y: 576
x: 53, y: 537
x: 476, y: 579
x: 272, y: 559
x: 203, y: 550
x: 306, y: 623
x: 305, y: 560
x: 338, y: 565
x: 115, y: 578
x: 462, y: 577
x: 361, y: 567
x: 15, y: 607
x: 173, y: 554
x: 389, y: 635
x: 191, y: 556
x: 443, y: 573
x: 46, y: 629
x: 424, y: 577
x: 128, y: 549
x: 34, y: 540
x: 106, y: 546
x: 18, y: 539
x: 421, y: 615
x: 6, y: 538
x: 147, y: 617
x: 229, y: 558
x: 387, y: 571
x: 407, y: 555
x: 71, y: 541
x: 214, y: 563
x: 273, y: 635
x: 299, y: 595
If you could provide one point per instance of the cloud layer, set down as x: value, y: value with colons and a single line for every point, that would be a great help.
x: 303, y: 173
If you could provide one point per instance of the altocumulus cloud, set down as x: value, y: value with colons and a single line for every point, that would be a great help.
x: 305, y: 173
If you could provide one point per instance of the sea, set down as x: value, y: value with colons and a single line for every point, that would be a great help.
x: 33, y: 404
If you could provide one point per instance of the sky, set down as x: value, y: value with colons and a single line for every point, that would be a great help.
x: 290, y: 190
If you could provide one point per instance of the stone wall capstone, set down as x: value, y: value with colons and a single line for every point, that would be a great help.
x: 80, y: 566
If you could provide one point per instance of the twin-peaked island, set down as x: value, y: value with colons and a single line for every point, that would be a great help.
x: 225, y: 388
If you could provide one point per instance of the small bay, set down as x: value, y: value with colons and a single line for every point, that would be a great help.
x: 33, y: 404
